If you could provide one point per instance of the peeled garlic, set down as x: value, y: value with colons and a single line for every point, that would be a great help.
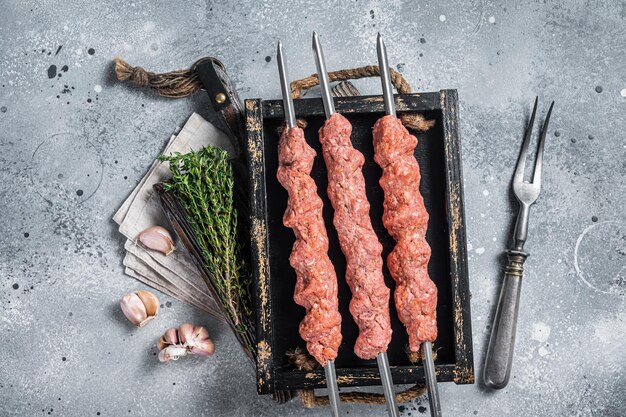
x: 187, y: 340
x: 172, y: 352
x: 157, y: 238
x: 140, y: 307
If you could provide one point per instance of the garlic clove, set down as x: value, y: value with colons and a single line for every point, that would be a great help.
x: 140, y: 307
x: 134, y: 309
x: 171, y: 336
x: 204, y: 348
x: 186, y: 340
x: 150, y: 301
x: 157, y: 238
x: 198, y: 334
x: 161, y: 343
x: 172, y: 353
x: 185, y: 333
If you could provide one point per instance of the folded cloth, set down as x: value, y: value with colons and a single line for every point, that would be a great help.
x: 175, y: 274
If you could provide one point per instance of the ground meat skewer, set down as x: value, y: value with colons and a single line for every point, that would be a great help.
x: 406, y: 220
x: 316, y: 281
x: 316, y: 285
x: 346, y: 189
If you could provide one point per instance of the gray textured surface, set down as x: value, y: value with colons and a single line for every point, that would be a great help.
x: 68, y: 351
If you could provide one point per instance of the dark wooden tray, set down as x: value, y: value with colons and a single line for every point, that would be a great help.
x: 277, y: 315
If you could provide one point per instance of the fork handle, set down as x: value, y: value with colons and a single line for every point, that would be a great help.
x: 501, y: 344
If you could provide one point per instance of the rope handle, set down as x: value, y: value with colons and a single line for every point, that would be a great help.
x: 303, y: 361
x: 310, y: 400
x: 183, y: 83
x: 299, y: 88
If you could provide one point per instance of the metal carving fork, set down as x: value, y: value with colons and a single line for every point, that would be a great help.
x: 500, y: 351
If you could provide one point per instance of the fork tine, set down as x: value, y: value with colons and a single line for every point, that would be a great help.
x: 336, y: 91
x: 521, y: 162
x: 542, y: 141
x: 345, y: 89
x: 342, y: 89
x: 352, y: 89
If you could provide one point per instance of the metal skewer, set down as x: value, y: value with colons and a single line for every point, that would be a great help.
x: 427, y: 349
x: 290, y: 114
x: 385, y: 76
x: 331, y: 386
x: 387, y: 382
x: 329, y: 109
x: 322, y: 74
x: 290, y: 118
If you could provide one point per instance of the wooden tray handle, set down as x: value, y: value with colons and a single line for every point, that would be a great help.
x: 302, y: 361
x: 299, y: 88
x: 183, y: 83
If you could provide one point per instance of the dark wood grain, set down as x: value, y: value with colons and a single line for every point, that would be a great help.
x: 464, y: 372
x: 273, y: 109
x: 355, y: 377
x: 259, y: 248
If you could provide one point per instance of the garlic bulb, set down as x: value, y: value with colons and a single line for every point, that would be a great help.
x: 140, y: 307
x: 186, y: 340
x: 157, y: 238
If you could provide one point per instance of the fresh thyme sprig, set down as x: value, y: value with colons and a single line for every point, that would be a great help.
x: 203, y: 183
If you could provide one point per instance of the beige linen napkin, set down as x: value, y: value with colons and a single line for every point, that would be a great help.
x: 175, y: 274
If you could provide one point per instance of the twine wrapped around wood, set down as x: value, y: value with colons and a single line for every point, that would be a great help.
x: 183, y: 83
x: 302, y: 361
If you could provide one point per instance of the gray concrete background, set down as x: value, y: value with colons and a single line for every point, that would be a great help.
x: 73, y: 145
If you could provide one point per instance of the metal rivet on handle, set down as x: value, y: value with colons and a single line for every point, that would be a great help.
x: 220, y: 98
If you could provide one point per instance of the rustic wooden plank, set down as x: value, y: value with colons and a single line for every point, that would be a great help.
x: 354, y: 377
x: 273, y: 109
x: 464, y: 369
x: 259, y: 247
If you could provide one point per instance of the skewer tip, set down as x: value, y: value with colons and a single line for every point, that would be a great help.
x: 380, y: 43
x: 316, y: 40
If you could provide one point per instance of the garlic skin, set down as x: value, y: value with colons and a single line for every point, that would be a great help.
x: 157, y: 238
x: 186, y: 340
x: 140, y: 307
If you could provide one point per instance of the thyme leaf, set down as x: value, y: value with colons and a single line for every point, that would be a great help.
x: 203, y: 184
